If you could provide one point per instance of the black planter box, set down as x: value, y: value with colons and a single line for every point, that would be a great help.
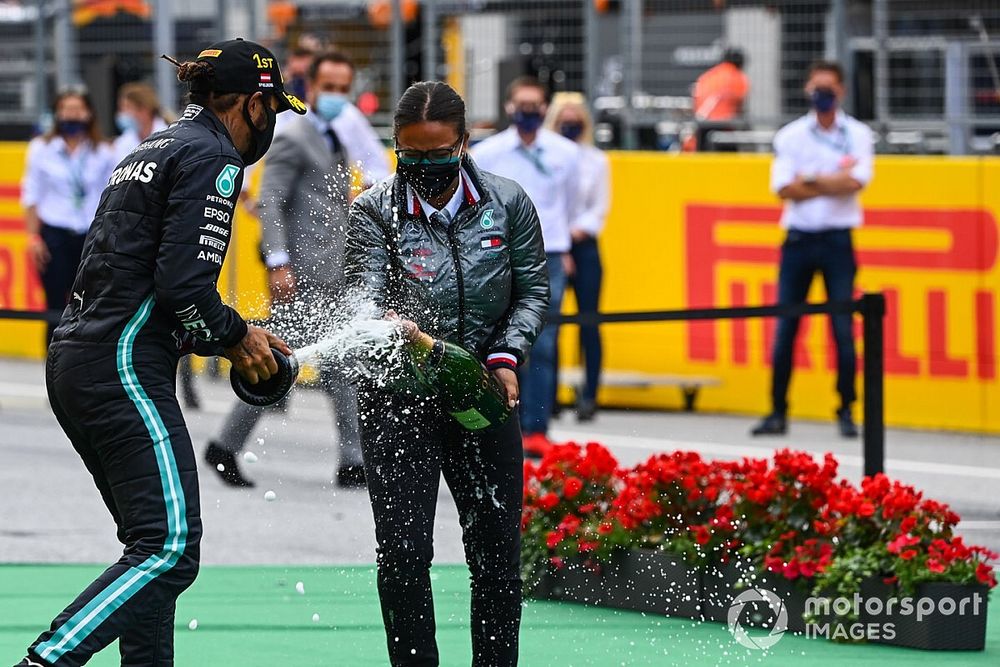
x: 654, y: 582
x: 721, y: 583
x: 935, y: 631
x: 578, y: 580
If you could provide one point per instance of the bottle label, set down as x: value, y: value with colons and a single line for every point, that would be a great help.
x: 471, y: 419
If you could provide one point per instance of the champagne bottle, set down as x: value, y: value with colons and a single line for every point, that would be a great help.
x: 467, y: 390
x: 270, y: 391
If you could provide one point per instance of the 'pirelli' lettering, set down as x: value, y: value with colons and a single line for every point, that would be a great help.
x: 212, y: 242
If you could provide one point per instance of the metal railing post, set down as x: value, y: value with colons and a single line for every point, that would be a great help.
x: 872, y: 307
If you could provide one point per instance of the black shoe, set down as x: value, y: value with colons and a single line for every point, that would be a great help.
x: 225, y: 465
x: 351, y: 477
x: 771, y: 425
x: 586, y: 410
x: 30, y: 662
x: 845, y: 424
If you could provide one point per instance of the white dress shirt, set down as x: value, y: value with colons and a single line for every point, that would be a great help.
x: 361, y: 143
x: 451, y: 207
x: 548, y: 170
x: 127, y: 141
x: 594, y: 191
x: 804, y: 148
x: 65, y: 188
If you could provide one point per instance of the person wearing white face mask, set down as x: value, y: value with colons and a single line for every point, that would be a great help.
x: 305, y: 190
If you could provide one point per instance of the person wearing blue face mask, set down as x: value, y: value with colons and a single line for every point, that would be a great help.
x: 139, y: 115
x: 65, y: 172
x: 546, y: 165
x: 570, y: 116
x: 305, y: 190
x: 822, y: 161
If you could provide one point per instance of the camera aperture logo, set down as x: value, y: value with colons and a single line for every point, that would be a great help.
x: 739, y: 632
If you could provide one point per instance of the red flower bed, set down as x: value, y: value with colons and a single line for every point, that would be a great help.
x: 789, y: 515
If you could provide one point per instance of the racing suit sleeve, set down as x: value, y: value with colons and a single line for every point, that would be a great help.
x: 194, y: 239
x: 525, y: 316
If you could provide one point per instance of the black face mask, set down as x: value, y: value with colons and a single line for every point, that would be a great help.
x: 260, y: 140
x: 428, y: 179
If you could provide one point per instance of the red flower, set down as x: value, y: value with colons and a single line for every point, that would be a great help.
x: 548, y: 501
x: 935, y: 565
x: 701, y: 535
x: 984, y: 573
x: 901, y: 542
x: 557, y: 562
x: 553, y: 539
x: 908, y: 554
x: 866, y: 509
x: 908, y: 524
x: 572, y: 488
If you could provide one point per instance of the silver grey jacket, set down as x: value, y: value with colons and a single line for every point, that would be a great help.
x: 480, y: 281
x: 303, y: 202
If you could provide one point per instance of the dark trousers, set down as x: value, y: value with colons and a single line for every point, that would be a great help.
x: 126, y: 425
x: 539, y: 377
x: 803, y: 254
x: 407, y: 445
x: 587, y: 288
x: 65, y: 248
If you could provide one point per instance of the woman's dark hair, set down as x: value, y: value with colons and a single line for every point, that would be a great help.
x: 433, y: 101
x: 199, y: 74
x: 93, y: 129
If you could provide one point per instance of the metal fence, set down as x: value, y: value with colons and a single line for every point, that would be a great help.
x: 923, y: 73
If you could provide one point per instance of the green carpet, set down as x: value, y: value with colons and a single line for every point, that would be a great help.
x: 253, y: 616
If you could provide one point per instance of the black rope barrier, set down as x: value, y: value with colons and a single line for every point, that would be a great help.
x: 870, y: 306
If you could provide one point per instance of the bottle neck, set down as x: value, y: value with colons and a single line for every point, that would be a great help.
x: 421, y: 347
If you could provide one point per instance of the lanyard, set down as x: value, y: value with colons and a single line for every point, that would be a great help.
x: 841, y: 145
x: 77, y: 170
x: 534, y: 158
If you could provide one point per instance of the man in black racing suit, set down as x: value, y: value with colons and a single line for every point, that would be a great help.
x: 144, y: 295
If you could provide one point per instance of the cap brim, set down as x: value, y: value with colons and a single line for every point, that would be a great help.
x: 288, y: 102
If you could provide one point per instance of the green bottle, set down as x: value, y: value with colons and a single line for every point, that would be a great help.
x: 467, y: 390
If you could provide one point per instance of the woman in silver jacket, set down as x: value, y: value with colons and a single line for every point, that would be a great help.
x: 459, y: 252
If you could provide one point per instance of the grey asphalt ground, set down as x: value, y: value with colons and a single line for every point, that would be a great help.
x: 51, y: 512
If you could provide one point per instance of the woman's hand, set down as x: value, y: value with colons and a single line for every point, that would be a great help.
x: 508, y: 379
x: 410, y: 329
x: 38, y: 251
x: 281, y: 283
x: 569, y: 266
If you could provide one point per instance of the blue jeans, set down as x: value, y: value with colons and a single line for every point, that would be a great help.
x: 538, y: 376
x: 587, y: 287
x: 803, y: 254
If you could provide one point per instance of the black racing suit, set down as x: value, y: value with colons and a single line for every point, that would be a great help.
x: 145, y: 294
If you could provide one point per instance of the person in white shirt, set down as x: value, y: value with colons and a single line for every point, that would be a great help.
x: 546, y: 165
x: 569, y: 116
x: 65, y: 173
x: 139, y: 115
x: 822, y: 161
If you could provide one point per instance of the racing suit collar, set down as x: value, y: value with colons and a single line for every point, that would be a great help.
x: 204, y: 116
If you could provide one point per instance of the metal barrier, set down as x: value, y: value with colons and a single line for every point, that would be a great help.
x: 871, y: 307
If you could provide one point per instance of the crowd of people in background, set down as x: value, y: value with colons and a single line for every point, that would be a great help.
x: 306, y: 188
